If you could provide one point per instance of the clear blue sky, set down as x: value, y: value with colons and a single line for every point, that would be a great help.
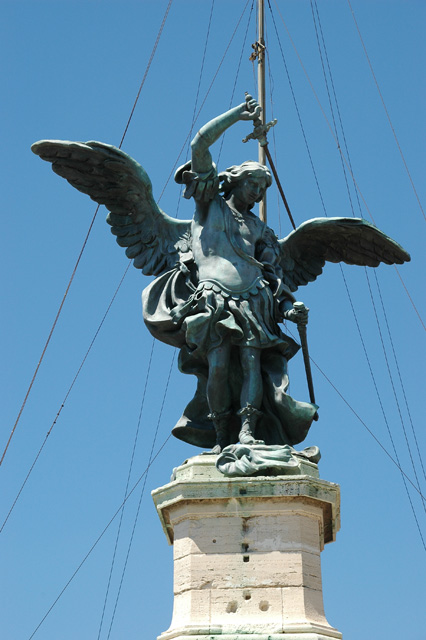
x: 71, y: 70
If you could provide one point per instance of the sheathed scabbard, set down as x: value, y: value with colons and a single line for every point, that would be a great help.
x: 306, y: 360
x: 304, y: 343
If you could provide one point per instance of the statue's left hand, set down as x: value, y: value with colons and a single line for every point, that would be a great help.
x: 299, y: 314
x: 250, y: 109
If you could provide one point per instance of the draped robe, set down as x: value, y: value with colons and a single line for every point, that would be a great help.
x: 224, y: 291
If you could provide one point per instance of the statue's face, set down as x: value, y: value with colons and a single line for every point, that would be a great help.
x: 251, y: 188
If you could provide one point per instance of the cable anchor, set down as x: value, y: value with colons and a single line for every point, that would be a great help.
x: 258, y: 50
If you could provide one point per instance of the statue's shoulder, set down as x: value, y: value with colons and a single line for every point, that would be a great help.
x: 203, y: 187
x: 269, y: 236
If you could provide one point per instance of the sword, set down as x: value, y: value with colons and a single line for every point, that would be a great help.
x: 299, y: 306
x: 259, y: 133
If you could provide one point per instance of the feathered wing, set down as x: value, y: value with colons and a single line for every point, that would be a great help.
x: 305, y: 250
x: 109, y: 176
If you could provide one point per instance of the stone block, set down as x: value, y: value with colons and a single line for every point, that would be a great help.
x: 247, y: 554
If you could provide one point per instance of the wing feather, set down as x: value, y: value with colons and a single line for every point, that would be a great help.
x: 354, y: 241
x: 110, y: 177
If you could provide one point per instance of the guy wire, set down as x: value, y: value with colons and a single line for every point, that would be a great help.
x: 196, y: 100
x: 142, y: 493
x: 338, y: 146
x: 361, y: 421
x: 347, y: 289
x: 127, y: 486
x: 84, y: 243
x: 386, y: 110
x: 125, y: 272
x: 365, y: 270
x: 330, y: 101
x: 205, y: 98
x: 100, y: 536
x: 236, y: 78
x: 313, y: 2
x: 399, y: 375
x: 66, y: 396
x: 274, y: 142
x: 391, y: 381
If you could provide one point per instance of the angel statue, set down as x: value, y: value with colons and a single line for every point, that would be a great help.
x: 223, y: 280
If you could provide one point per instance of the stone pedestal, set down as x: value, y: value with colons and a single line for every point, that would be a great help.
x: 247, y: 553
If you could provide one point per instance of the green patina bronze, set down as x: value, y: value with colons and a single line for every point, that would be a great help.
x: 223, y: 282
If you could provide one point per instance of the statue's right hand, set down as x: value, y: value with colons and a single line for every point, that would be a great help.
x: 250, y: 109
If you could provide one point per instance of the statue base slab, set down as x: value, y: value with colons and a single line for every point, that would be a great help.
x: 302, y: 635
x: 247, y: 553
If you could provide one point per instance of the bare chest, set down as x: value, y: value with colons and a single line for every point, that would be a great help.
x: 224, y: 248
x: 221, y: 228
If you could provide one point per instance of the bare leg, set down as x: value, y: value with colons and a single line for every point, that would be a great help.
x: 251, y: 394
x: 252, y: 388
x: 218, y: 395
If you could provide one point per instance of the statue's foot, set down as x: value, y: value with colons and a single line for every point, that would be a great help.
x: 246, y: 437
x: 220, y: 421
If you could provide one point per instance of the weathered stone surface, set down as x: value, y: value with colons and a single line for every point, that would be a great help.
x: 250, y: 569
x: 247, y: 554
x: 228, y: 497
x: 199, y: 634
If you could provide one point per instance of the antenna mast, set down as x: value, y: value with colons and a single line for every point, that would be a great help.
x: 260, y: 49
x: 261, y: 128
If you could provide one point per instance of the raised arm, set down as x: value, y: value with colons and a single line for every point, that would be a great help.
x: 201, y: 160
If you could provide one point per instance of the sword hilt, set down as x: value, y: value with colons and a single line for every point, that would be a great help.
x: 300, y: 306
x: 260, y: 130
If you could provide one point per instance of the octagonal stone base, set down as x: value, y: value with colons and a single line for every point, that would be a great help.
x: 247, y: 553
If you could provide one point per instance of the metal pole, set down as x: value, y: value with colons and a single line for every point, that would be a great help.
x: 261, y: 91
x: 277, y: 180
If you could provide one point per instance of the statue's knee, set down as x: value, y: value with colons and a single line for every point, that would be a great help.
x: 250, y: 360
x: 218, y: 374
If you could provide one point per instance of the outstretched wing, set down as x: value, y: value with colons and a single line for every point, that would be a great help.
x: 305, y: 251
x: 109, y: 176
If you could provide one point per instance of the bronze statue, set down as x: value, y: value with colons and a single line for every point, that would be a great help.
x: 223, y: 282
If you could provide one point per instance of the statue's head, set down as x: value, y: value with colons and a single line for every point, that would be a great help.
x: 249, y: 172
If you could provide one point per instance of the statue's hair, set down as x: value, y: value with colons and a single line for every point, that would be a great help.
x: 231, y: 176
